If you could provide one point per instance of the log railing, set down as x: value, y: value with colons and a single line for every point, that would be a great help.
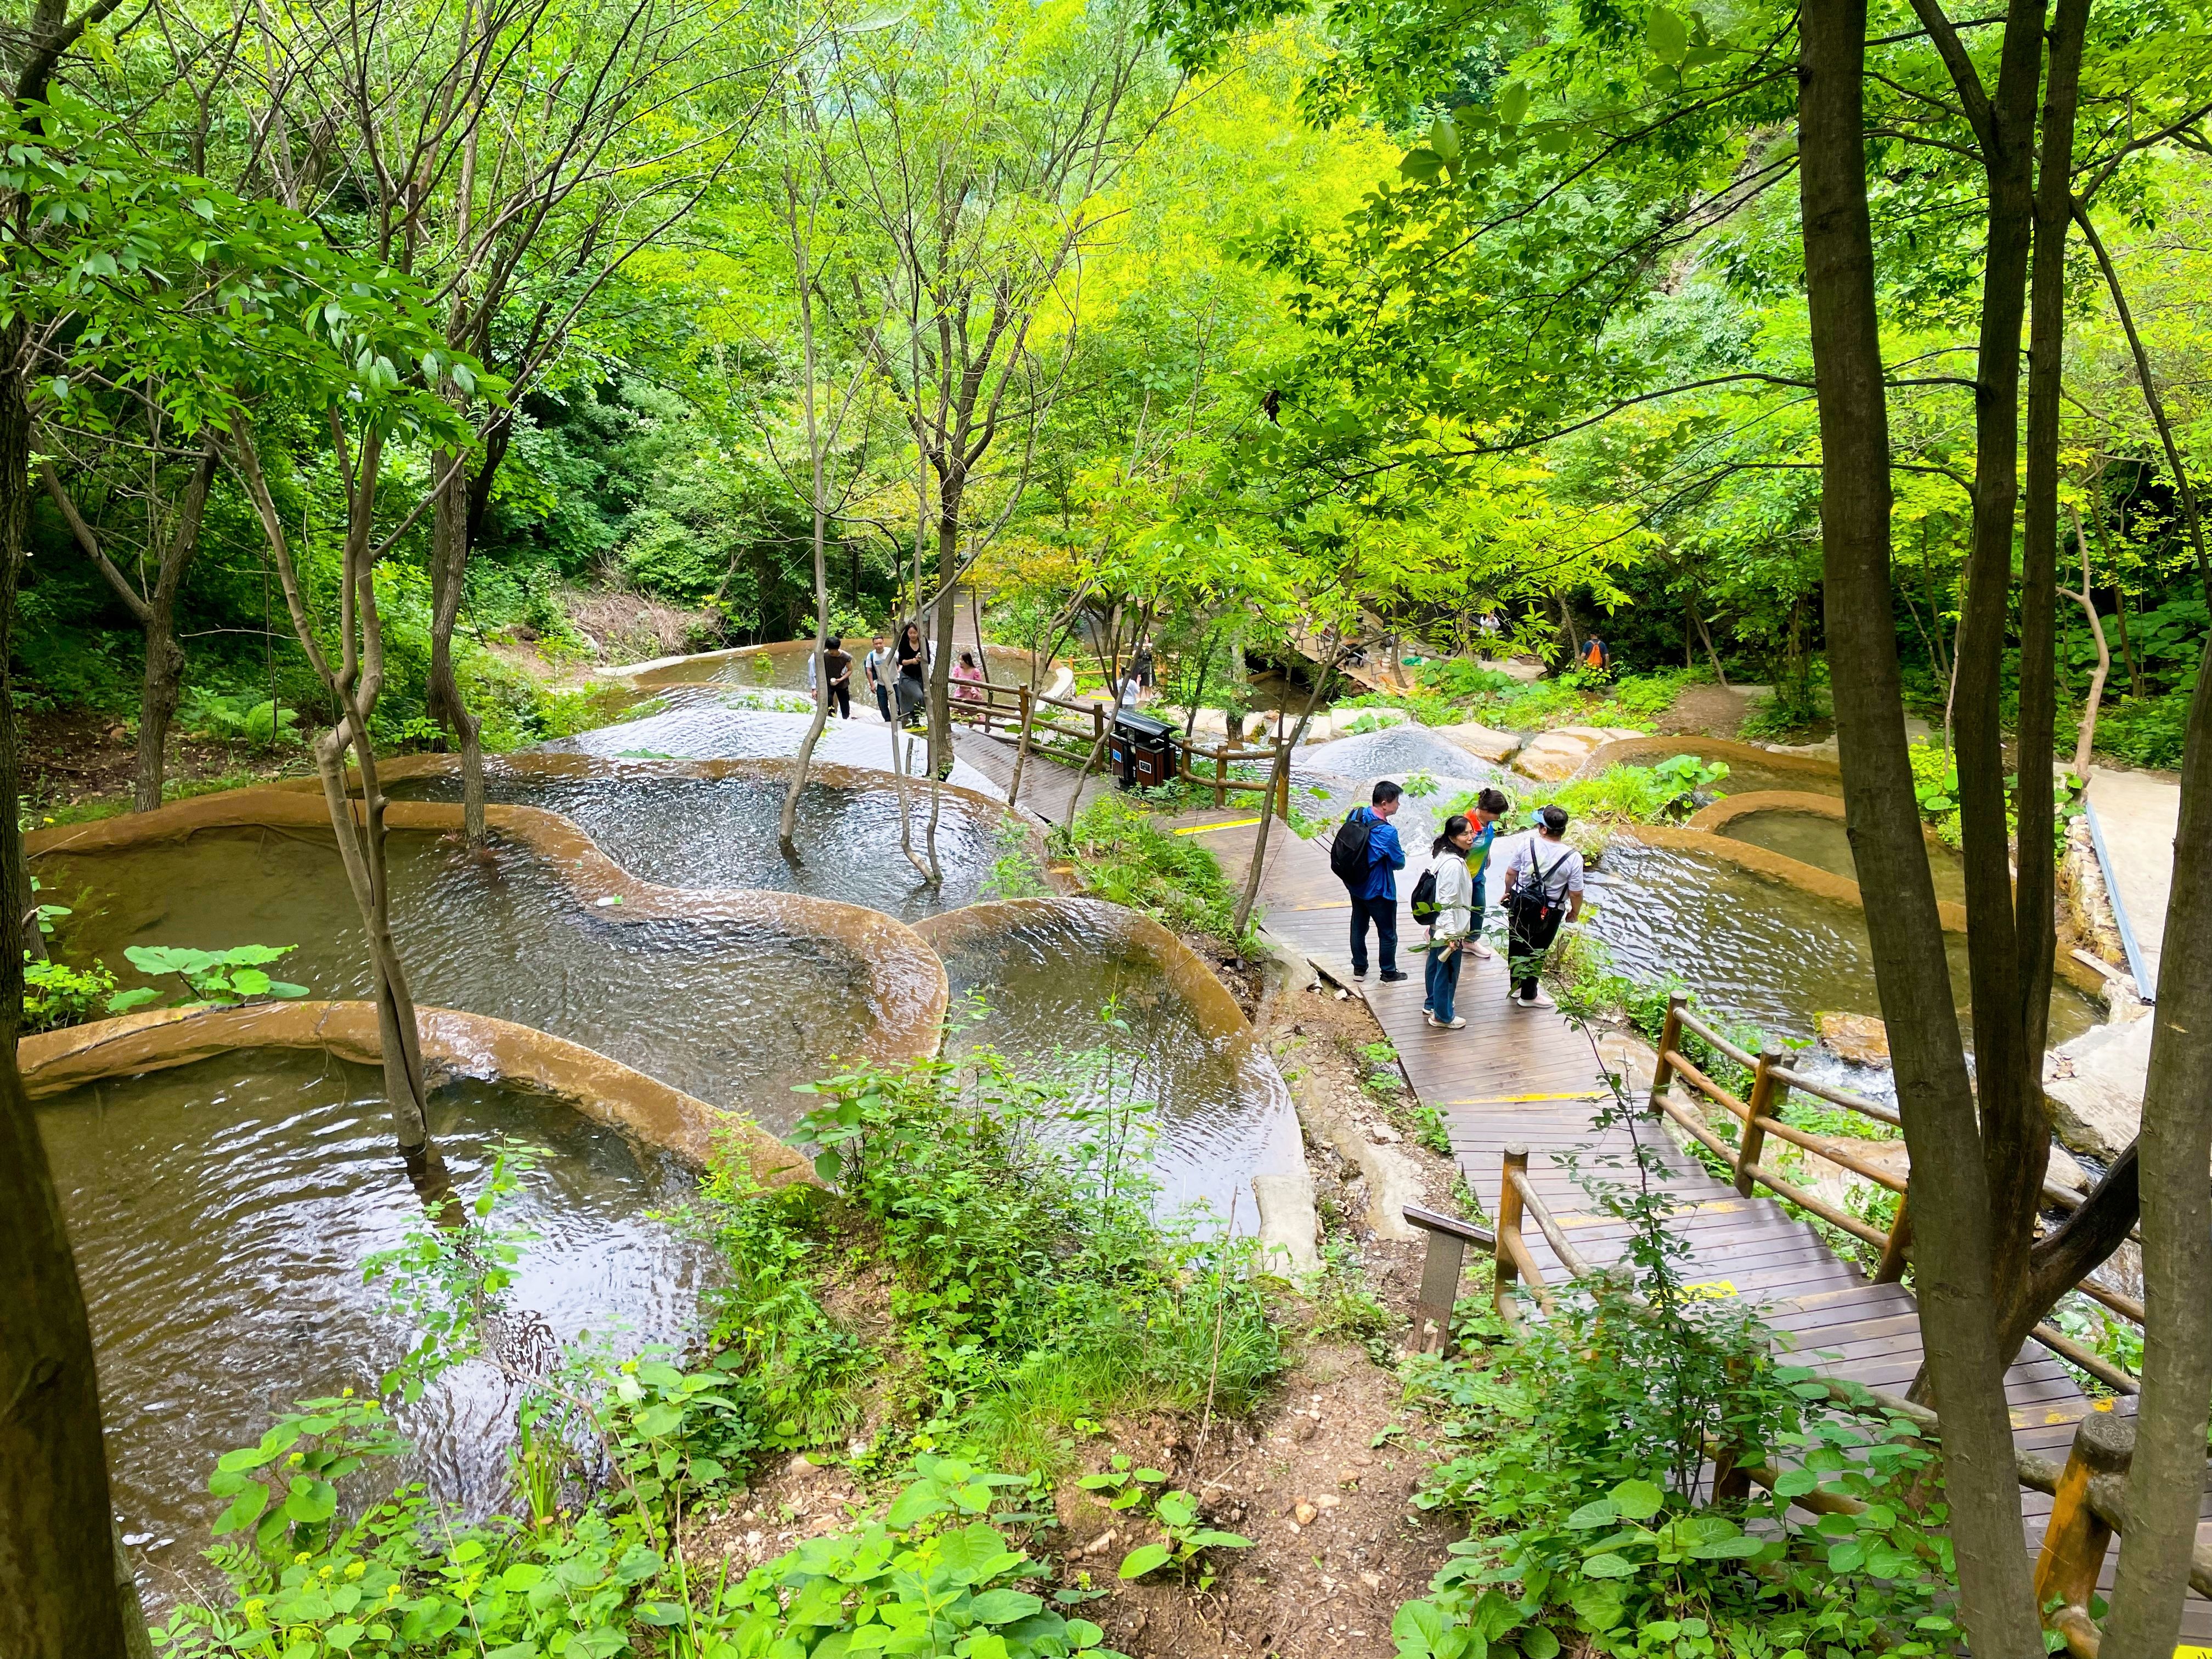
x: 1076, y: 732
x: 2088, y: 1491
x: 1758, y: 1118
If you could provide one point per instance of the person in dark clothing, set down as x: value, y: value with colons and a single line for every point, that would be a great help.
x: 837, y: 669
x: 913, y: 664
x: 1376, y: 899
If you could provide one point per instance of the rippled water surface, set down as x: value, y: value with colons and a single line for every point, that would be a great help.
x: 1754, y: 947
x: 221, y: 1214
x: 1813, y: 839
x: 1046, y: 971
x: 720, y: 832
x: 732, y: 1011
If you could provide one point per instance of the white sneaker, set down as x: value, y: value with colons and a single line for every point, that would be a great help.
x: 1482, y: 952
x: 1452, y: 1024
x: 1540, y: 1001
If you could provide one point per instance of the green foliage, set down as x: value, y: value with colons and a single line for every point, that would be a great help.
x: 1183, y: 1540
x: 1031, y: 1284
x: 229, y: 976
x: 2146, y: 730
x: 1120, y: 853
x: 1567, y: 1447
x: 1014, y: 873
x: 1667, y: 792
x: 263, y: 724
x: 55, y: 994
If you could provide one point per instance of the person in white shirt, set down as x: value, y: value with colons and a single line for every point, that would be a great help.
x: 1454, y: 922
x: 1543, y: 889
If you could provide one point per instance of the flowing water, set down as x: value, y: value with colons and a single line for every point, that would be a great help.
x: 1753, y: 947
x: 1047, y: 971
x: 720, y: 832
x: 221, y: 1214
x: 1812, y: 838
x: 732, y: 1011
x: 782, y: 667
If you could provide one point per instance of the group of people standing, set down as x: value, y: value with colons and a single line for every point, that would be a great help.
x: 897, y: 672
x: 1542, y: 890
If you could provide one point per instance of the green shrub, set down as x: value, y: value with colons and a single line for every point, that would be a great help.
x: 1574, y: 1450
x: 1120, y: 852
x: 55, y: 994
x: 2145, y: 731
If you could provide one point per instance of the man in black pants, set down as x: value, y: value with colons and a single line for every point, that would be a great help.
x: 838, y: 662
x: 1376, y: 899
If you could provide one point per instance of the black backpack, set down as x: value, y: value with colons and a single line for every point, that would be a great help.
x: 1348, y: 854
x: 1424, y: 903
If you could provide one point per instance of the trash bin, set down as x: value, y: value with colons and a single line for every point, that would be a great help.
x: 1141, y: 750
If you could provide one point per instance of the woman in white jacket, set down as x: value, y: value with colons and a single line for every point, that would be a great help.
x: 1450, y: 934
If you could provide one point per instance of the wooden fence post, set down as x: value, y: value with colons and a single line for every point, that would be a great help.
x: 1221, y: 779
x: 1282, y: 762
x: 1900, y: 1240
x: 1753, y: 1141
x: 1670, y: 1041
x: 1509, y: 1224
x: 2076, y: 1538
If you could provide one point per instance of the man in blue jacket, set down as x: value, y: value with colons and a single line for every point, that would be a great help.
x: 1377, y: 898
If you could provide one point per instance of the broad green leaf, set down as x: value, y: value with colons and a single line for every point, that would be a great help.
x: 1146, y: 1558
x: 1639, y: 1500
x: 1667, y: 34
x: 124, y: 1001
x: 1539, y: 1643
x: 311, y: 1501
x: 1599, y: 1512
x: 1513, y: 100
x: 1738, y: 1548
x: 1003, y: 1607
x: 1444, y: 136
x: 1609, y: 1566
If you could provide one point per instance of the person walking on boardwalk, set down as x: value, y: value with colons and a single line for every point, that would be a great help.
x: 1543, y: 889
x: 968, y: 688
x: 880, y: 670
x: 1452, y: 922
x: 913, y: 664
x: 1366, y: 857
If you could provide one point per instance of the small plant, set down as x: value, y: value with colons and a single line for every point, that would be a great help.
x: 1015, y: 874
x: 222, y: 977
x: 1378, y: 1071
x: 239, y: 718
x: 1184, y: 1539
x: 56, y: 995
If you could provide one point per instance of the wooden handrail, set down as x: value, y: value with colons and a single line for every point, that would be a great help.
x: 1554, y: 1235
x: 1760, y: 1117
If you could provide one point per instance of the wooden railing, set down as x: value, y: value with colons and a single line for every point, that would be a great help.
x: 2088, y: 1491
x: 1760, y: 1118
x: 1073, y: 732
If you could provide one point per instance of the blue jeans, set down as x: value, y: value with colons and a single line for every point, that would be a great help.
x: 1440, y: 980
x: 1383, y: 912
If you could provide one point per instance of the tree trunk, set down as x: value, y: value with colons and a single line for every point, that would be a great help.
x: 58, y: 1592
x: 1250, y: 896
x: 449, y: 560
x: 2085, y: 739
x: 787, y: 829
x: 1952, y: 1263
x: 162, y: 690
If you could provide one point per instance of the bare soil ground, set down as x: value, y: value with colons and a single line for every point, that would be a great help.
x: 1710, y: 711
x: 75, y: 761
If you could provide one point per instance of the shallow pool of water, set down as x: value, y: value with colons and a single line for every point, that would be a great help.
x: 720, y: 832
x: 1047, y: 972
x: 1750, y: 768
x: 1814, y: 839
x: 221, y: 1214
x: 1755, y: 948
x: 782, y: 667
x: 734, y: 1012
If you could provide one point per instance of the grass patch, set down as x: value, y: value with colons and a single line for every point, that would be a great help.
x: 1119, y: 852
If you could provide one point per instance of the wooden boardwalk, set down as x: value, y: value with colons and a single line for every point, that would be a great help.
x: 1529, y: 1077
